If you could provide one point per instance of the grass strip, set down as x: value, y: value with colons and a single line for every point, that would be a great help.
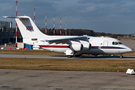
x: 66, y: 64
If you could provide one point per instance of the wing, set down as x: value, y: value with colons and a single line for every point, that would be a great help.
x: 67, y: 40
x: 76, y: 43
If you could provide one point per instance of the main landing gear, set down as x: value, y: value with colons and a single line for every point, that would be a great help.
x: 69, y: 56
x: 71, y: 53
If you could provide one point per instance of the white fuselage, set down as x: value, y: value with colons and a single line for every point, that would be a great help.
x: 99, y: 45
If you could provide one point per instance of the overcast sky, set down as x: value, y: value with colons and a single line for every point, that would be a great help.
x: 110, y: 16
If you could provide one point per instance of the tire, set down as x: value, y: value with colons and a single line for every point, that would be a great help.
x: 69, y: 56
x: 78, y: 55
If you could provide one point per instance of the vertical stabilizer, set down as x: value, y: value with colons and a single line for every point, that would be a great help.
x: 28, y: 29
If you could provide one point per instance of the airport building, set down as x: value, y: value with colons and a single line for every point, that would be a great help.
x: 7, y: 33
x: 4, y: 32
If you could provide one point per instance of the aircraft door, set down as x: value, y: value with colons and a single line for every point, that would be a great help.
x: 105, y: 43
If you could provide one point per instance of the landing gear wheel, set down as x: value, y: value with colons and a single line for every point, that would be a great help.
x: 78, y: 55
x: 69, y: 56
x: 121, y: 56
x: 96, y: 55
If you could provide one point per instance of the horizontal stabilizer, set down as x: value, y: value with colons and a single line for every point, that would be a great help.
x: 19, y: 17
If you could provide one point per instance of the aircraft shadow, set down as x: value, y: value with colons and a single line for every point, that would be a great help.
x: 86, y: 56
x: 124, y: 57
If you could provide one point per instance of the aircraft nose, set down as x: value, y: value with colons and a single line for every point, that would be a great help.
x: 126, y: 49
x: 129, y: 49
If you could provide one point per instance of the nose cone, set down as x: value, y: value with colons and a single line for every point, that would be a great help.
x: 129, y: 49
x: 126, y: 49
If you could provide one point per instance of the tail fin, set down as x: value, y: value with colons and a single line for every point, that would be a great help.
x: 28, y: 29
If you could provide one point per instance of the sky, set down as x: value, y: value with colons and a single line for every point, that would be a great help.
x: 109, y: 16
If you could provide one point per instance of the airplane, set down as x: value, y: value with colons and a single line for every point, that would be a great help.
x: 70, y: 45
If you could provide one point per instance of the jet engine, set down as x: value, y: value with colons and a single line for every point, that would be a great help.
x: 76, y: 46
x: 86, y: 45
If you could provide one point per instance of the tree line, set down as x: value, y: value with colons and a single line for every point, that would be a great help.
x: 76, y: 32
x: 80, y: 32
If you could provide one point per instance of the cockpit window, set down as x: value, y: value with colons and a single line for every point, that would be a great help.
x: 116, y: 43
x: 120, y: 43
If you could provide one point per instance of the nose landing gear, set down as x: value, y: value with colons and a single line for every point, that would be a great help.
x: 121, y: 56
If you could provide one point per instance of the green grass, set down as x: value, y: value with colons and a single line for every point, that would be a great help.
x: 66, y: 64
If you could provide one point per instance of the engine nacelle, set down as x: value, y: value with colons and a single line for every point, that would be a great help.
x: 76, y: 46
x: 86, y: 45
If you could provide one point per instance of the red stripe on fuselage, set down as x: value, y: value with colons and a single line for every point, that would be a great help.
x: 105, y: 47
x: 94, y: 47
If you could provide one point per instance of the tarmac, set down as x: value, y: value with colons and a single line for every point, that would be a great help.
x: 64, y: 80
x: 129, y: 43
x: 65, y: 57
